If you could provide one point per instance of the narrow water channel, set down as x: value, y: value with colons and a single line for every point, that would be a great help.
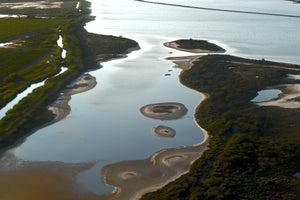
x: 23, y: 94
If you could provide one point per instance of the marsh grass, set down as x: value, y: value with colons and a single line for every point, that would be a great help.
x: 15, y: 27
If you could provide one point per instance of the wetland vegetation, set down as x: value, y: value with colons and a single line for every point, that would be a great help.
x: 254, y: 151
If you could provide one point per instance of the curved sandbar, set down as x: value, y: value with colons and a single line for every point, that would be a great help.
x: 163, y: 131
x: 194, y: 46
x: 164, y: 111
x: 60, y: 108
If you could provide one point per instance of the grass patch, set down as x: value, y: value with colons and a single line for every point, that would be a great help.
x: 15, y: 27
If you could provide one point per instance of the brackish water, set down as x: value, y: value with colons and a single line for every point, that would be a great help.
x: 266, y: 95
x: 105, y: 125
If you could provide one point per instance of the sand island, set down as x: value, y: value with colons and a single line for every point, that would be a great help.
x: 164, y: 111
x: 60, y: 108
x: 163, y: 131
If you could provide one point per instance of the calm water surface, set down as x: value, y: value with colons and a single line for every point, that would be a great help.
x: 105, y: 125
x: 266, y: 95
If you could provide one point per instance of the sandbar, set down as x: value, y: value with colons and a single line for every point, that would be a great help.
x: 163, y: 131
x: 60, y: 108
x: 21, y: 179
x: 164, y: 111
x: 132, y: 179
x: 184, y: 62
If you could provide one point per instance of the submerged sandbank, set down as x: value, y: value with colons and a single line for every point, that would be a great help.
x: 185, y: 62
x: 60, y: 108
x: 164, y: 111
x: 132, y: 179
x: 163, y: 131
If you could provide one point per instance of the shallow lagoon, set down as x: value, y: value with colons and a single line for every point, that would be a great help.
x: 105, y: 125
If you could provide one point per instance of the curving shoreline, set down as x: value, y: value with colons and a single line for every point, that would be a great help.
x: 133, y: 179
x: 60, y: 108
x: 163, y: 131
x: 164, y: 111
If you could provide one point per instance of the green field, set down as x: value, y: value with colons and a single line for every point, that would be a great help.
x: 28, y: 61
x: 17, y: 27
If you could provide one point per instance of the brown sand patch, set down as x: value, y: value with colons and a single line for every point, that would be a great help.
x: 155, y: 172
x: 61, y: 106
x: 164, y: 111
x: 184, y: 62
x: 128, y: 175
x: 173, y: 159
x: 163, y: 131
x: 132, y: 179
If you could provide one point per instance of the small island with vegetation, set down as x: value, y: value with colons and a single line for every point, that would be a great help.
x: 164, y: 111
x: 195, y: 46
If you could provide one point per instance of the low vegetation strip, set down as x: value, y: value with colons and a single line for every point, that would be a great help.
x: 254, y: 151
x: 14, y: 27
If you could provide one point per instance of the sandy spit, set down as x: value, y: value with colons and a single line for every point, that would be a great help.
x: 61, y: 107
